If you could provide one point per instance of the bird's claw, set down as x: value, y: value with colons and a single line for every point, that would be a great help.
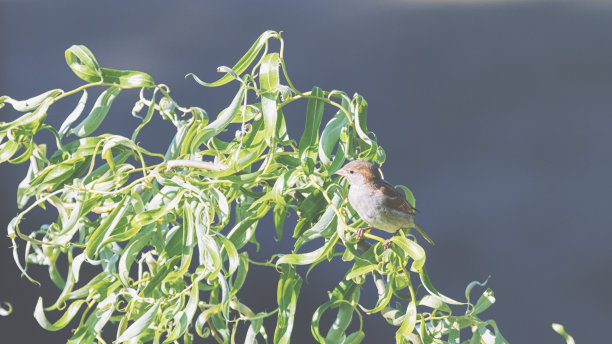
x: 360, y: 232
x: 387, y: 244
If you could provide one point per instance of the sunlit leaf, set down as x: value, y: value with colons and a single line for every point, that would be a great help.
x: 126, y: 78
x: 407, y: 325
x: 82, y: 62
x: 560, y: 329
x: 6, y: 311
x: 484, y: 301
x: 70, y: 312
x: 74, y: 115
x: 314, y: 115
x: 243, y: 63
x: 98, y: 112
x: 29, y: 104
x: 288, y: 291
x: 30, y: 123
x: 140, y: 324
x: 310, y: 257
x: 105, y: 229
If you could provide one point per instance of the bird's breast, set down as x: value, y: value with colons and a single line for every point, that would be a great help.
x: 369, y: 204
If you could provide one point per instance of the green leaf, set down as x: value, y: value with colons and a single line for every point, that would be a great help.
x: 336, y: 333
x: 70, y: 312
x: 7, y: 150
x: 432, y: 290
x: 327, y: 144
x: 368, y: 147
x: 454, y: 333
x: 384, y: 298
x: 344, y: 297
x: 140, y: 324
x: 27, y: 153
x: 411, y: 249
x: 161, y: 272
x: 331, y: 134
x: 54, y: 175
x: 311, y: 207
x: 280, y: 213
x: 182, y: 319
x: 30, y: 123
x: 212, y: 256
x: 82, y: 147
x: 355, y: 338
x: 434, y: 302
x: 231, y: 253
x: 126, y: 78
x: 489, y: 337
x: 561, y: 330
x: 247, y: 113
x: 105, y: 229
x: 471, y: 286
x: 254, y: 328
x: 96, y: 321
x: 222, y: 209
x: 310, y: 257
x: 147, y: 118
x: 409, y: 196
x: 484, y: 301
x: 98, y: 113
x: 316, y: 318
x: 82, y: 62
x: 224, y: 118
x: 31, y: 103
x: 74, y: 115
x: 314, y: 115
x: 270, y: 115
x: 24, y: 186
x: 362, y: 270
x: 244, y: 230
x: 243, y: 63
x: 408, y: 323
x: 132, y: 249
x: 287, y: 295
x: 325, y: 227
x: 155, y: 214
x: 6, y: 311
x: 268, y: 73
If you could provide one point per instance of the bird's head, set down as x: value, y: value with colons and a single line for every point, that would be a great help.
x: 360, y: 172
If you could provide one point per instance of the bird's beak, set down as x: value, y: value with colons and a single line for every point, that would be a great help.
x: 341, y: 172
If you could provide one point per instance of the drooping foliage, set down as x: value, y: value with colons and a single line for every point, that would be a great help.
x: 166, y: 232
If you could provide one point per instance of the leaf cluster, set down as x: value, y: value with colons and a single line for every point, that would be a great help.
x: 166, y: 232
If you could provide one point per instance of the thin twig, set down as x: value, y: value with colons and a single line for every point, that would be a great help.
x: 213, y: 331
x: 202, y: 165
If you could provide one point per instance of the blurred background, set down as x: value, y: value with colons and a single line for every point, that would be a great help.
x: 497, y: 114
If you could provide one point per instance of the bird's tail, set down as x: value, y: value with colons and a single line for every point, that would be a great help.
x: 418, y: 228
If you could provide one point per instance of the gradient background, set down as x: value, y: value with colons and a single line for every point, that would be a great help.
x: 497, y: 114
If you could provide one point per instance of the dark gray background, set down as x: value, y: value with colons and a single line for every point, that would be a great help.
x: 496, y: 114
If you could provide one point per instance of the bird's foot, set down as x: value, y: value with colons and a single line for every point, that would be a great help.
x: 387, y: 244
x: 361, y: 231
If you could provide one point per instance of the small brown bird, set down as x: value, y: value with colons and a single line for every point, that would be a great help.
x: 377, y: 202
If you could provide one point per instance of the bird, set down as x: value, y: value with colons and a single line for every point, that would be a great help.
x: 377, y: 202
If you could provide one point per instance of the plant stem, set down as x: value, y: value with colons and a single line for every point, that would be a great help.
x: 202, y: 165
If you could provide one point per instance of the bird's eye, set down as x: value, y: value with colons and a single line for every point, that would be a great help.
x: 351, y: 171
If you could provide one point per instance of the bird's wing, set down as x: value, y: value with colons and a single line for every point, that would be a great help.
x: 394, y: 198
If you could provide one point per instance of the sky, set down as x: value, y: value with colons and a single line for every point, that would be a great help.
x: 496, y: 114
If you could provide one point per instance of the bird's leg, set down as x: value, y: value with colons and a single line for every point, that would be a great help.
x: 361, y: 231
x: 387, y: 243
